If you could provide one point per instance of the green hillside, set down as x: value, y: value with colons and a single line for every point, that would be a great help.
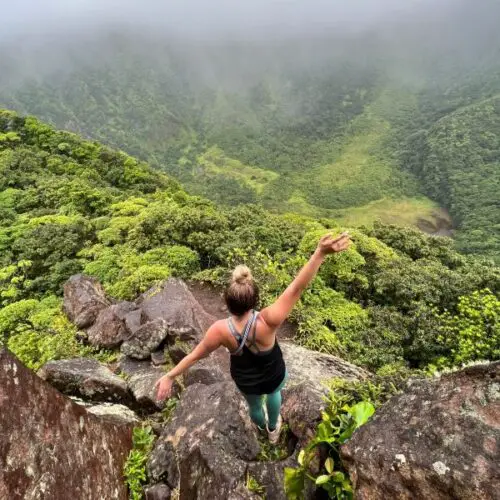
x: 315, y: 143
x: 396, y: 300
x: 458, y: 160
x: 398, y: 123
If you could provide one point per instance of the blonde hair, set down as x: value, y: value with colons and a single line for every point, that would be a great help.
x: 242, y: 293
x: 242, y: 275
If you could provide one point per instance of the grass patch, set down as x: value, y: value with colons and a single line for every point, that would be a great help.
x: 402, y: 212
x: 214, y: 161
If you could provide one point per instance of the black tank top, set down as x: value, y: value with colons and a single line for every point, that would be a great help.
x: 256, y: 373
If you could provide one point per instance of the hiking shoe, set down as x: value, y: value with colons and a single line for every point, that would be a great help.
x: 259, y: 430
x: 274, y: 436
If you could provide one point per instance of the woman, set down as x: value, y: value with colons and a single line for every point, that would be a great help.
x: 257, y: 365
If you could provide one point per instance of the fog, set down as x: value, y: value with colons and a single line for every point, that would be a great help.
x: 201, y: 18
x: 236, y: 42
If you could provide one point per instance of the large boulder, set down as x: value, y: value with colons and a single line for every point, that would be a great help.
x: 141, y: 379
x: 210, y: 370
x: 51, y: 447
x: 314, y: 367
x: 205, y: 448
x: 173, y: 302
x: 84, y: 299
x: 86, y: 378
x: 146, y: 339
x: 109, y: 329
x: 302, y: 406
x: 439, y: 440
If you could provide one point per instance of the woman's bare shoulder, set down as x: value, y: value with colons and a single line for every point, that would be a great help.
x: 218, y: 327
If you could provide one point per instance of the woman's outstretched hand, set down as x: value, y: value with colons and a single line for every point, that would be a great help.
x: 327, y: 244
x: 164, y: 387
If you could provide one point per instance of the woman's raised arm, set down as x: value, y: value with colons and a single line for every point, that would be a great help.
x: 276, y: 313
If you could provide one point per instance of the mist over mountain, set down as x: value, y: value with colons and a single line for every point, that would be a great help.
x: 329, y: 109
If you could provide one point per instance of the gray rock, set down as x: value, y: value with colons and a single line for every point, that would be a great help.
x: 304, y: 365
x: 87, y: 378
x: 206, y: 445
x: 109, y: 329
x: 158, y: 492
x: 133, y: 321
x: 302, y: 406
x: 438, y: 440
x: 84, y: 298
x: 270, y: 476
x: 146, y: 339
x: 173, y: 302
x: 179, y: 351
x: 51, y: 448
x: 159, y: 358
x: 141, y: 378
x: 114, y: 413
x: 206, y: 371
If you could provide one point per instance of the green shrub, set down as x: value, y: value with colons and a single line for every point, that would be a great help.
x: 474, y: 333
x: 182, y: 261
x: 140, y: 280
x: 339, y: 421
x: 39, y: 332
x: 253, y: 486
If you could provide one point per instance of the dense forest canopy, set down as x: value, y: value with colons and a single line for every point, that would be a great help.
x: 353, y: 113
x: 398, y: 299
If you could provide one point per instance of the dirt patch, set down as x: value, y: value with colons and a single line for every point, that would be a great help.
x: 210, y: 298
x: 440, y: 225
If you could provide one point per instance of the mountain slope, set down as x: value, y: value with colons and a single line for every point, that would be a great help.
x: 397, y: 297
x: 308, y: 132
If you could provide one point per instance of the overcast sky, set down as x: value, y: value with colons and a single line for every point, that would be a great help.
x: 203, y: 17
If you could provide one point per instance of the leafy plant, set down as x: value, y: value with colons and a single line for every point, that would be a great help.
x: 254, y: 486
x: 339, y: 421
x: 135, y: 467
x: 474, y: 333
x: 170, y: 406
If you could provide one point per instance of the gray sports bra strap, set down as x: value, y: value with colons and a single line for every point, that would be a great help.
x: 253, y: 342
x: 244, y: 337
x: 233, y: 330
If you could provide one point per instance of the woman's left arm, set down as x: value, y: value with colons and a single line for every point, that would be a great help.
x: 211, y: 341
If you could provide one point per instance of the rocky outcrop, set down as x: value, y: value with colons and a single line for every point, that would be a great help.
x: 109, y: 329
x: 304, y: 365
x: 51, y: 447
x: 439, y: 440
x: 173, y: 302
x: 165, y: 314
x: 210, y: 445
x: 146, y: 339
x: 141, y: 379
x: 84, y: 299
x: 203, y: 454
x: 85, y: 378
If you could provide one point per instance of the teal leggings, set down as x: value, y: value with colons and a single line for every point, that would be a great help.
x: 273, y: 405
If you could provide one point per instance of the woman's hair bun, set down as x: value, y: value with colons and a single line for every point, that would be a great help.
x: 242, y: 275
